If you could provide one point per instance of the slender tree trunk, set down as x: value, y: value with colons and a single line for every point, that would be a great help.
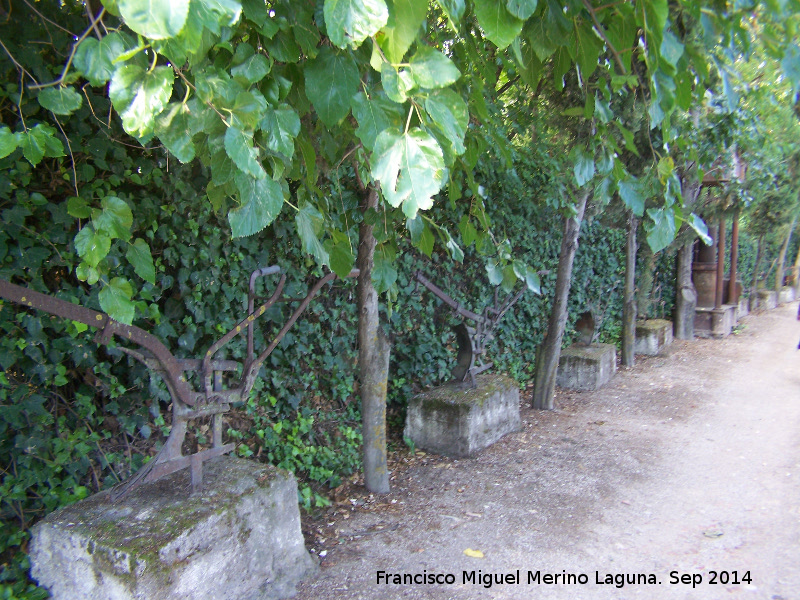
x: 782, y: 257
x: 754, y: 287
x: 796, y: 271
x: 549, y: 352
x: 646, y: 279
x: 373, y: 361
x: 629, y: 306
x: 686, y: 300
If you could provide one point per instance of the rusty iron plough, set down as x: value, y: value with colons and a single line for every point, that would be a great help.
x: 472, y: 340
x: 212, y: 399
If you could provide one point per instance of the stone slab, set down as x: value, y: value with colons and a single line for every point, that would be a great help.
x: 715, y: 322
x: 767, y: 299
x: 586, y: 368
x: 454, y: 420
x: 652, y: 336
x: 786, y: 295
x: 239, y: 539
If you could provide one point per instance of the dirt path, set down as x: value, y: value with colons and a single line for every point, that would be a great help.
x: 687, y: 463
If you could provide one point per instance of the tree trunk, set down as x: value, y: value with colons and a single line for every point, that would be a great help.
x: 686, y: 298
x: 629, y: 306
x: 549, y: 352
x: 754, y: 287
x: 646, y: 278
x: 782, y: 257
x: 373, y: 361
x: 796, y: 271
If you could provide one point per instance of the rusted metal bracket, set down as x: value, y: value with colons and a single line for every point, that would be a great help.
x: 472, y: 340
x: 188, y: 403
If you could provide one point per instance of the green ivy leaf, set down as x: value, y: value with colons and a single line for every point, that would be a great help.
x: 432, y: 69
x: 139, y: 256
x: 114, y: 218
x: 239, y: 147
x: 60, y: 100
x: 86, y: 273
x: 8, y: 141
x: 115, y: 300
x: 154, y: 19
x: 384, y: 273
x: 33, y: 143
x: 310, y: 225
x: 350, y: 22
x: 409, y: 167
x: 174, y: 130
x: 78, y: 208
x: 92, y: 63
x: 252, y: 70
x: 499, y: 25
x: 92, y: 245
x: 449, y: 113
x: 282, y: 126
x: 396, y: 84
x: 262, y: 201
x: 332, y: 80
x: 139, y: 96
x: 495, y: 273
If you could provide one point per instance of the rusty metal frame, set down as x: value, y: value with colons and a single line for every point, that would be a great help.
x: 472, y: 341
x: 187, y: 403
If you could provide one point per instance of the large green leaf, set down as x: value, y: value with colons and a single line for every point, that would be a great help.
x: 175, y: 132
x: 350, y: 22
x: 409, y: 167
x: 139, y: 256
x: 449, y: 113
x: 282, y: 126
x: 661, y: 228
x: 60, y: 100
x: 522, y: 9
x: 310, y: 226
x: 154, y: 19
x: 92, y: 62
x: 396, y: 83
x: 454, y: 9
x: 583, y: 167
x: 239, y: 147
x: 115, y: 300
x: 8, y: 141
x: 630, y: 190
x: 373, y: 116
x: 92, y: 245
x: 139, y: 96
x: 331, y: 82
x: 588, y: 49
x: 700, y: 228
x: 262, y: 201
x: 405, y: 20
x: 342, y: 258
x: 252, y: 70
x: 499, y: 25
x: 114, y: 218
x: 432, y: 69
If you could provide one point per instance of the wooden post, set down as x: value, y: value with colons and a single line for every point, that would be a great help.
x: 732, y: 297
x: 720, y: 263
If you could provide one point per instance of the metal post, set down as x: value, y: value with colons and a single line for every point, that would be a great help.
x: 720, y: 264
x: 732, y: 297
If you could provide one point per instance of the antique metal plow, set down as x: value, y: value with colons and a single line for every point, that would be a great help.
x: 211, y: 398
x: 472, y: 340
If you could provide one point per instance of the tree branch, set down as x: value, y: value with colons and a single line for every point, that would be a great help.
x: 602, y: 33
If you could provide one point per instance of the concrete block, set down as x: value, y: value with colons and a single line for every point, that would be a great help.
x: 786, y: 295
x: 767, y: 299
x: 586, y: 368
x: 239, y: 539
x: 743, y: 309
x: 715, y: 322
x: 652, y: 336
x: 454, y: 420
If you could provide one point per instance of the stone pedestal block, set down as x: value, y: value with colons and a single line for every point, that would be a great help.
x: 652, y: 336
x: 239, y: 539
x: 767, y: 299
x: 454, y: 420
x: 586, y: 368
x: 786, y: 295
x: 715, y: 322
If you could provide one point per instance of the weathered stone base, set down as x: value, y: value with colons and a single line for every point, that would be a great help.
x: 586, y: 368
x: 239, y: 539
x: 767, y: 300
x: 743, y: 309
x: 652, y: 336
x: 786, y: 295
x: 454, y: 420
x: 715, y: 322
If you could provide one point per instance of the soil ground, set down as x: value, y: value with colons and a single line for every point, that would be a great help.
x: 685, y: 465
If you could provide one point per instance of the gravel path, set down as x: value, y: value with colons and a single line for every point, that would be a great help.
x: 683, y: 473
